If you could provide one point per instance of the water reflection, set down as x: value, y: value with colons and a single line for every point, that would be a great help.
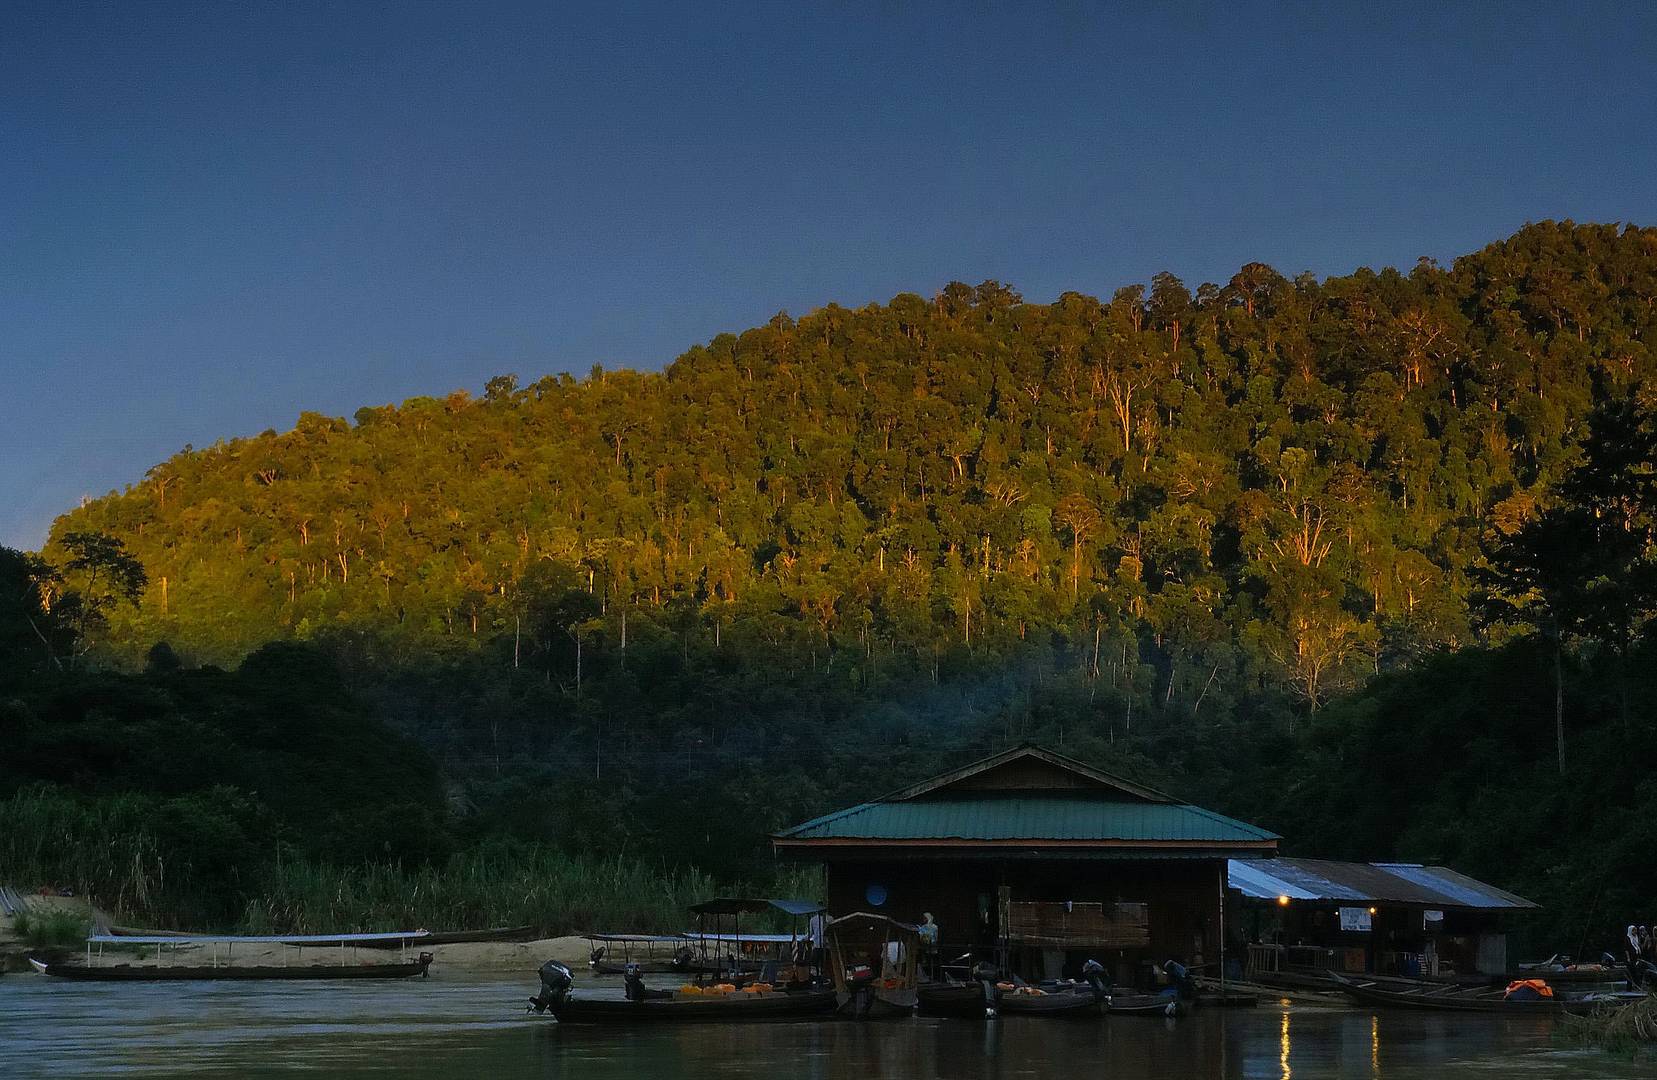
x: 465, y: 1028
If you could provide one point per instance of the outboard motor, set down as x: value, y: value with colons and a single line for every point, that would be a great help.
x: 1093, y: 973
x: 556, y: 983
x: 633, y: 986
x: 860, y: 989
x: 992, y: 993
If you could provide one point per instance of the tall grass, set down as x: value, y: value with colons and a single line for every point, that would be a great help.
x: 1618, y: 1028
x: 159, y: 862
x: 547, y: 890
x: 99, y: 848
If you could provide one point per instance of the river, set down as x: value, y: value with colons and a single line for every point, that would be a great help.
x: 475, y: 1026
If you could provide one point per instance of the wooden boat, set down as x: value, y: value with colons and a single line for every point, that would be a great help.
x: 1452, y: 998
x: 94, y: 969
x: 968, y: 1000
x: 642, y: 1006
x: 984, y: 998
x: 1074, y: 1003
x: 1146, y: 1005
x: 873, y: 961
x: 190, y: 972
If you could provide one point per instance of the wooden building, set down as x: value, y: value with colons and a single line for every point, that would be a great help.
x: 1037, y: 854
x: 1303, y: 917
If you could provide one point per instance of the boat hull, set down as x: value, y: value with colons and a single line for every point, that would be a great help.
x: 728, y: 1009
x: 963, y: 1000
x: 1073, y: 1005
x: 1461, y: 1001
x: 186, y: 973
x: 1146, y: 1005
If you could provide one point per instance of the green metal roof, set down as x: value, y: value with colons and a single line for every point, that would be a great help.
x: 1066, y: 817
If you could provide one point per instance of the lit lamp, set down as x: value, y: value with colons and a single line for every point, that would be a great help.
x: 1282, y: 901
x: 1372, y: 911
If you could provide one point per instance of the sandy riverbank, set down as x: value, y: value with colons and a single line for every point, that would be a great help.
x: 523, y: 956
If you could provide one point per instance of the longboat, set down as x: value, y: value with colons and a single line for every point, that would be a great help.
x: 968, y: 1000
x: 776, y: 992
x: 95, y: 970
x: 985, y: 998
x: 1146, y: 1005
x: 726, y: 1004
x: 874, y: 962
x: 1452, y: 998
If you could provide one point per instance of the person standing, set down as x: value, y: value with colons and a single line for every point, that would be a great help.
x: 929, y: 943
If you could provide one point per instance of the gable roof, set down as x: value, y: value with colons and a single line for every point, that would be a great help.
x: 1025, y: 768
x: 1029, y: 798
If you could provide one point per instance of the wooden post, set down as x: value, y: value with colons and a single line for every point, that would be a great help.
x: 1224, y: 864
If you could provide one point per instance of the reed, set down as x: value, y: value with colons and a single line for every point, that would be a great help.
x: 148, y: 861
x: 97, y: 848
x: 1621, y: 1028
x: 499, y: 886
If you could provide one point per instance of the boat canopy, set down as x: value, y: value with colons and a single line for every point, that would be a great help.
x: 737, y: 905
x: 638, y: 939
x: 257, y: 939
x: 870, y: 924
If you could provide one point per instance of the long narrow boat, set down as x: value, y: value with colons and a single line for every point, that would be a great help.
x: 1073, y: 1003
x: 641, y: 1006
x: 1470, y: 999
x: 1146, y: 1005
x: 969, y: 1000
x: 191, y: 972
x: 95, y: 970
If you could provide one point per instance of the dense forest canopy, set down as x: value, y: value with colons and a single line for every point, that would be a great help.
x: 1267, y: 482
x: 1357, y: 559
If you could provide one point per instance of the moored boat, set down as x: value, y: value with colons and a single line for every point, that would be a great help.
x: 96, y: 970
x: 1451, y: 998
x: 720, y: 1004
x: 873, y: 961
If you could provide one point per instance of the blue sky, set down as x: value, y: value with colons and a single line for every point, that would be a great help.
x: 214, y: 216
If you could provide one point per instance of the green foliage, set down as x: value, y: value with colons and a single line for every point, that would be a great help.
x: 52, y: 926
x: 494, y: 885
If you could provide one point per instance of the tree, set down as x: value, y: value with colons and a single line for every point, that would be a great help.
x: 97, y: 575
x: 1586, y: 565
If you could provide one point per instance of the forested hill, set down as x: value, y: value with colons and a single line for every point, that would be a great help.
x: 1272, y: 483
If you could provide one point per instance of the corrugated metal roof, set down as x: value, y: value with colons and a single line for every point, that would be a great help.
x: 1398, y: 883
x: 1469, y: 892
x: 1035, y: 818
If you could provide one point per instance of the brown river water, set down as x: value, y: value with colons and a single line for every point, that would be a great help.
x: 475, y: 1026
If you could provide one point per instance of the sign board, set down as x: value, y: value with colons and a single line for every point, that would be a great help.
x: 1432, y: 920
x: 1355, y: 918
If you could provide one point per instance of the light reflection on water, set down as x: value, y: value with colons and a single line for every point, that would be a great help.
x: 474, y: 1026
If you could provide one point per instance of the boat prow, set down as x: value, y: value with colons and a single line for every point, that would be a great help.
x: 38, y: 965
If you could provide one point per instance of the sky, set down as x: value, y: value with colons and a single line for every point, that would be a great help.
x: 216, y: 216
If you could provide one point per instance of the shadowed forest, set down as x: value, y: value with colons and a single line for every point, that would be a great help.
x: 1365, y: 560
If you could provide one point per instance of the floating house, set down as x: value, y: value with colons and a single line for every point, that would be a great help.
x: 1305, y: 917
x: 1041, y: 859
